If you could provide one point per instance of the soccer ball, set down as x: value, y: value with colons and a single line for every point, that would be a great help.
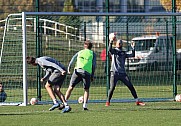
x: 178, y: 98
x: 112, y: 36
x: 81, y: 99
x: 33, y: 101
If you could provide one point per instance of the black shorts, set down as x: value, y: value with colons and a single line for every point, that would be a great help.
x: 56, y: 78
x: 80, y: 76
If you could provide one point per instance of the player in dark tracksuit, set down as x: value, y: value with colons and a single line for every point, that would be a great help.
x: 54, y: 77
x: 118, y: 70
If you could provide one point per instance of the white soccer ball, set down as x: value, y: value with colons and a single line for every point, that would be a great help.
x: 81, y: 99
x: 178, y: 98
x: 112, y: 36
x: 33, y: 101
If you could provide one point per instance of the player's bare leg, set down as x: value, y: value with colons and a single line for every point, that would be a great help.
x: 68, y: 92
x: 86, y: 97
x: 52, y: 96
x: 67, y: 95
x: 60, y: 94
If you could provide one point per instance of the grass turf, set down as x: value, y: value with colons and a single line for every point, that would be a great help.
x: 125, y: 114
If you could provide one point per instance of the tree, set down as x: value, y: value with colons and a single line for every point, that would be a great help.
x: 68, y: 7
x: 167, y: 4
x: 73, y: 21
x: 18, y: 6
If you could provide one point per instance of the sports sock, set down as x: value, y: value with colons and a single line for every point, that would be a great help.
x: 55, y: 101
x: 85, y: 105
x: 65, y: 104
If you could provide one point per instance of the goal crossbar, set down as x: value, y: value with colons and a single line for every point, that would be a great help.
x: 101, y: 14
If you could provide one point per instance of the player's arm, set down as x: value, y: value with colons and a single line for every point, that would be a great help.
x: 44, y: 62
x: 93, y: 65
x: 48, y: 72
x: 112, y: 38
x: 133, y: 51
x: 71, y: 62
x: 111, y: 50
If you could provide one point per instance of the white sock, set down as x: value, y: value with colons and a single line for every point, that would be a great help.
x: 55, y: 101
x: 85, y: 105
x: 65, y: 103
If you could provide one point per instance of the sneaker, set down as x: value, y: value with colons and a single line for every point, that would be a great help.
x: 54, y: 107
x: 107, y: 104
x: 66, y: 109
x: 85, y: 109
x: 140, y: 103
x: 62, y: 106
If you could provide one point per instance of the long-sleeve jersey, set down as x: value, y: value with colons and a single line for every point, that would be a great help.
x: 49, y: 65
x: 118, y: 59
x: 74, y: 58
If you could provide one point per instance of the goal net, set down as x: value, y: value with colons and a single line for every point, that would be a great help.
x: 60, y: 35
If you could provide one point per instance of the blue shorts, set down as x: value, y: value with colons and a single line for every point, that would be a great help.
x: 80, y: 76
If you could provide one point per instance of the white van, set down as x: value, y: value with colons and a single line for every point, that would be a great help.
x: 153, y: 52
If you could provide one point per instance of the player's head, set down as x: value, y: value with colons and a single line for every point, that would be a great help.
x: 1, y: 87
x: 88, y: 44
x: 31, y: 60
x: 119, y: 43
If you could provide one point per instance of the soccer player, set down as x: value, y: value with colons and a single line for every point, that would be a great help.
x: 54, y: 77
x: 3, y: 94
x: 118, y: 69
x: 83, y: 71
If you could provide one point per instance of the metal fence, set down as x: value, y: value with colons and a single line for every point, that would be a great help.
x: 151, y: 84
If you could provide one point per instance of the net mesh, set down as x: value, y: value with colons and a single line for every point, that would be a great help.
x: 61, y: 37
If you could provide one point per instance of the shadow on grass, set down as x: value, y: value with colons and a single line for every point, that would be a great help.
x: 167, y: 109
x: 8, y: 114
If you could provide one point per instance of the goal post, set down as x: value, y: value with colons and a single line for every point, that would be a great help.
x: 24, y: 51
x: 61, y: 38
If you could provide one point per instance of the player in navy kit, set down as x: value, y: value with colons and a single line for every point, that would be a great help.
x: 54, y: 77
x: 118, y: 69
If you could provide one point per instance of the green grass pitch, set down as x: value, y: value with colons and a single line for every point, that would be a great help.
x: 118, y: 114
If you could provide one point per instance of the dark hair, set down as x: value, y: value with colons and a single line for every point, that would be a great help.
x: 88, y: 44
x: 30, y: 59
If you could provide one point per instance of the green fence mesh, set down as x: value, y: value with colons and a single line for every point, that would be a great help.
x: 62, y: 36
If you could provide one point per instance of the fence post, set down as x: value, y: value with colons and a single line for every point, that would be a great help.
x: 55, y: 29
x: 174, y: 49
x: 44, y: 27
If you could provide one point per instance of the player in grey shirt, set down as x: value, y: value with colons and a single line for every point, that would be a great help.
x: 54, y: 77
x: 118, y: 70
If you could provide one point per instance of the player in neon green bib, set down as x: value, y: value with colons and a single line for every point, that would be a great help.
x: 84, y: 60
x: 83, y: 71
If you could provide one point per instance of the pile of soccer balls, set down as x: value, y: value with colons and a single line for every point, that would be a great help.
x: 178, y: 98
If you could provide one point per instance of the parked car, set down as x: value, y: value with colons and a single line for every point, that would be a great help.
x: 153, y: 52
